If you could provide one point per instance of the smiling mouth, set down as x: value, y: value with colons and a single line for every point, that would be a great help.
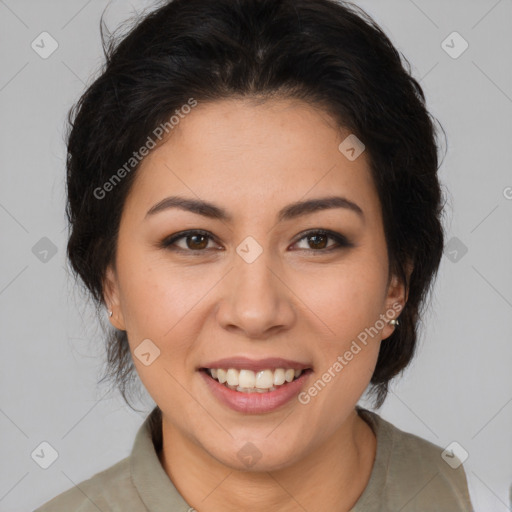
x: 249, y: 381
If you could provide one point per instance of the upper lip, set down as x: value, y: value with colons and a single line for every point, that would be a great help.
x: 256, y: 365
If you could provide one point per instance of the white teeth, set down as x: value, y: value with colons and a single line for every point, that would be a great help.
x: 253, y: 390
x: 232, y: 377
x: 279, y: 377
x: 264, y: 379
x: 221, y: 375
x: 248, y: 381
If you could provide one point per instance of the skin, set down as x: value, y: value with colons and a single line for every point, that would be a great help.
x: 294, y: 301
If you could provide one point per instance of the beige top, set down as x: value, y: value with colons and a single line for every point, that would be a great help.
x: 408, y: 475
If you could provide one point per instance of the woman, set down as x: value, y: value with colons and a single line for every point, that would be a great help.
x: 253, y: 195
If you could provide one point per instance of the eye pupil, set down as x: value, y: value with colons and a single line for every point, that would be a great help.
x: 197, y: 241
x: 201, y: 246
x: 316, y: 236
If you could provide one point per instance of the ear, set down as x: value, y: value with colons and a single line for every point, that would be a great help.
x: 395, y: 301
x: 111, y: 297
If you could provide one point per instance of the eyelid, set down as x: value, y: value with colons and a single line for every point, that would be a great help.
x: 341, y: 240
x: 167, y: 243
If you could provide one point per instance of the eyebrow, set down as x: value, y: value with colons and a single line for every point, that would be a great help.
x: 292, y: 211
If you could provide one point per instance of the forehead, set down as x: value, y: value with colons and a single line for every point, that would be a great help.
x: 233, y: 151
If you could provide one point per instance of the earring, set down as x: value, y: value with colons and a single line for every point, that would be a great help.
x: 110, y: 312
x: 394, y: 322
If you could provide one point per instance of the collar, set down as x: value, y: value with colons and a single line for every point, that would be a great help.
x: 153, y: 485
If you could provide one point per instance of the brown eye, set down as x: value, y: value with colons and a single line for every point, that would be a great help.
x: 198, y: 242
x: 317, y: 241
x: 194, y: 241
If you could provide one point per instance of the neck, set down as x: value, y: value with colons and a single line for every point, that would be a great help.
x: 341, y: 467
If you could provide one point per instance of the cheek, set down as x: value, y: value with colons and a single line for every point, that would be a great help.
x: 348, y: 301
x: 162, y: 302
x: 155, y: 294
x: 158, y: 305
x: 347, y: 298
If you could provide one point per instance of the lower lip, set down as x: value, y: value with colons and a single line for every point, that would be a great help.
x: 255, y: 402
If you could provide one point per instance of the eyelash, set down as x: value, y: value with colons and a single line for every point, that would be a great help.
x: 340, y: 240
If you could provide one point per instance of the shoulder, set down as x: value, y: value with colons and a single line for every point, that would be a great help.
x: 415, y: 456
x: 414, y: 473
x: 112, y: 486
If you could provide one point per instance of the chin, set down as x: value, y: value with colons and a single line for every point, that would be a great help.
x: 256, y: 456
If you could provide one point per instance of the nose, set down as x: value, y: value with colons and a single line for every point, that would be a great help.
x: 256, y: 300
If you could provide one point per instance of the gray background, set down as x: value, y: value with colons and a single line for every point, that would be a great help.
x: 459, y: 387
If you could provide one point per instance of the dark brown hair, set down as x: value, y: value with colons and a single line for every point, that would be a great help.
x: 329, y: 54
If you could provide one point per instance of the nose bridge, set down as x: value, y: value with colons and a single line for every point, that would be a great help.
x: 257, y: 299
x: 254, y: 277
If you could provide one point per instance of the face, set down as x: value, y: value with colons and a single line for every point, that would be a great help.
x: 261, y: 288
